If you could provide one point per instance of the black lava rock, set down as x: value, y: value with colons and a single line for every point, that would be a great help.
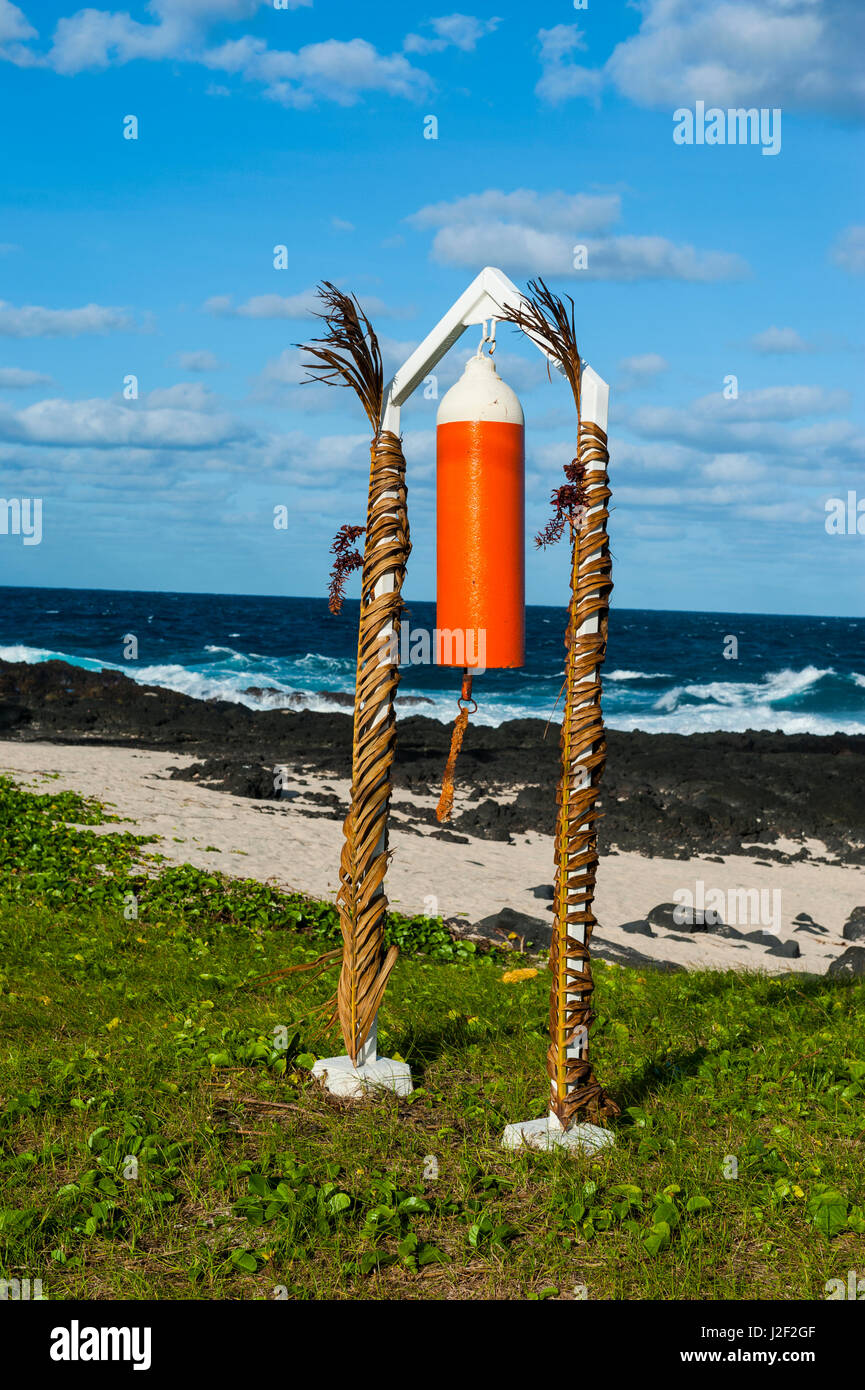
x: 788, y: 949
x: 761, y: 938
x: 676, y: 918
x: 854, y: 927
x: 850, y: 965
x: 663, y: 794
x: 533, y: 930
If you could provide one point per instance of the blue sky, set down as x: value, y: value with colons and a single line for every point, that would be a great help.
x: 304, y: 126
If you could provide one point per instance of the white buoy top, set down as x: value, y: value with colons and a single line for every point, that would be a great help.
x: 480, y: 394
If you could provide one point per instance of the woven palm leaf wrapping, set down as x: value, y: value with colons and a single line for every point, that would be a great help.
x: 361, y: 901
x: 574, y: 1089
x: 350, y: 356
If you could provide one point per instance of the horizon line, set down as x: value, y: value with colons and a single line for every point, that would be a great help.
x: 322, y: 598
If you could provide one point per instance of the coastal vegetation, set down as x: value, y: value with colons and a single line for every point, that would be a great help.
x: 161, y: 1135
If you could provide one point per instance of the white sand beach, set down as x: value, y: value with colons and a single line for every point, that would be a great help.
x: 279, y: 842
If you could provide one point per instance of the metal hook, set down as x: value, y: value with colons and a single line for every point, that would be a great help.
x: 488, y: 335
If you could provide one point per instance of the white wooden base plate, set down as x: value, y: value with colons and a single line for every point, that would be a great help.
x: 539, y: 1134
x: 343, y: 1078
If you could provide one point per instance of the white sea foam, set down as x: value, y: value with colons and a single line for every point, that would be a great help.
x: 33, y: 655
x: 638, y: 675
x: 693, y: 720
x: 315, y: 661
x: 776, y: 686
x: 730, y: 706
x: 227, y: 651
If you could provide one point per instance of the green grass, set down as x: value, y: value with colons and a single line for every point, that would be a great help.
x: 161, y: 1135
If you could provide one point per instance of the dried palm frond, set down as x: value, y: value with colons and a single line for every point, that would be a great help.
x: 318, y: 964
x: 568, y: 503
x: 544, y: 317
x: 346, y: 562
x: 348, y: 354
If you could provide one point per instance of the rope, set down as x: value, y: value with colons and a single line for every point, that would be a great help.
x: 446, y: 800
x: 361, y: 900
x: 583, y: 745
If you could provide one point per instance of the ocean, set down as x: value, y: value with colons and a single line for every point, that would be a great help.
x: 665, y: 671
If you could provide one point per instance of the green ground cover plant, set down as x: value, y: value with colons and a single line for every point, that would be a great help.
x: 161, y: 1135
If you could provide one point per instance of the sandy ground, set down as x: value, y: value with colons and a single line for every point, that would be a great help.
x: 278, y: 842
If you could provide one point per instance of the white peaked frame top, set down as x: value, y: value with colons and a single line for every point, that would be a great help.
x: 488, y: 295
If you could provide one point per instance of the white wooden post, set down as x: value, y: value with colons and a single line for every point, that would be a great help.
x: 594, y: 406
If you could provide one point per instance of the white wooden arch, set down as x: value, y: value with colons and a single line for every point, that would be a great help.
x: 488, y: 296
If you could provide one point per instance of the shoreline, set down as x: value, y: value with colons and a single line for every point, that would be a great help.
x: 295, y: 844
x: 771, y: 797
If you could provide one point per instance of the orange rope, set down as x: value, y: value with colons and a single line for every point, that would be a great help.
x: 446, y: 800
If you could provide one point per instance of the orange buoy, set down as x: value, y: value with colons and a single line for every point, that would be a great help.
x: 480, y: 522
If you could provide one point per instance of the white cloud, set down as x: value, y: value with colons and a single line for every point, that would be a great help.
x: 14, y: 25
x: 849, y: 250
x: 461, y: 31
x: 185, y: 395
x: 94, y: 39
x: 33, y: 321
x: 646, y: 457
x: 536, y: 234
x: 643, y: 368
x: 562, y: 78
x: 213, y: 11
x: 201, y: 361
x: 335, y: 70
x: 780, y: 340
x: 773, y: 403
x: 108, y: 424
x: 796, y: 54
x: 15, y: 377
x: 286, y: 370
x: 284, y: 380
x: 652, y: 457
x: 568, y: 213
x: 757, y: 423
x: 293, y: 306
x: 305, y: 460
x: 266, y: 306
x: 734, y: 468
